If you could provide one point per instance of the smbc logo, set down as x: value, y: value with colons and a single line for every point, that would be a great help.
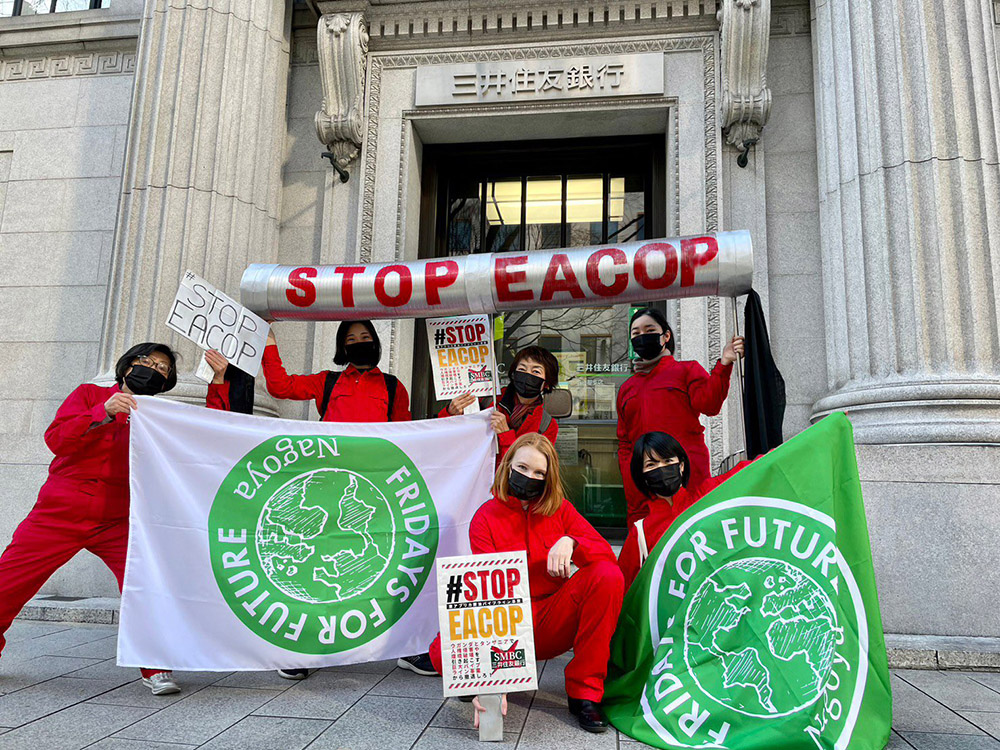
x: 320, y: 544
x: 761, y: 630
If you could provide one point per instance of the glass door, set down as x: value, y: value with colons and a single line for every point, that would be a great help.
x: 548, y: 195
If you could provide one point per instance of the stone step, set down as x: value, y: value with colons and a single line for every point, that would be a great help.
x: 905, y: 651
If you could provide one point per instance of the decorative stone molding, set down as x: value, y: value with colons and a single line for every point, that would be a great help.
x: 304, y: 50
x: 342, y: 43
x: 407, y: 23
x: 67, y: 66
x: 792, y: 21
x: 745, y: 27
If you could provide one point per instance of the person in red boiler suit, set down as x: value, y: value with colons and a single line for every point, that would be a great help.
x: 661, y: 471
x: 361, y: 392
x: 533, y: 373
x: 570, y: 610
x: 667, y: 395
x: 84, y: 503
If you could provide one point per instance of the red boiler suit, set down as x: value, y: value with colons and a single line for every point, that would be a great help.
x: 578, y: 613
x: 669, y: 398
x: 662, y: 513
x: 356, y: 397
x: 84, y: 504
x: 532, y: 423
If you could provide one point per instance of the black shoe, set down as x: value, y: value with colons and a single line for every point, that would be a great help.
x: 293, y: 674
x: 589, y: 714
x: 421, y: 664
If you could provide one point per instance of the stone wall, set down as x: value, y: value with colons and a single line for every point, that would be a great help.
x: 63, y: 122
x: 794, y: 258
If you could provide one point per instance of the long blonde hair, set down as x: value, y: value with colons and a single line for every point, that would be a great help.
x: 552, y: 496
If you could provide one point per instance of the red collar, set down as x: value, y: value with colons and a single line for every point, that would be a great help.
x: 352, y: 370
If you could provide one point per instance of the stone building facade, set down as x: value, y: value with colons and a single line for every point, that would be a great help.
x: 857, y: 140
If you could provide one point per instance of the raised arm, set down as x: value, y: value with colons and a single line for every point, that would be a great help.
x: 282, y: 385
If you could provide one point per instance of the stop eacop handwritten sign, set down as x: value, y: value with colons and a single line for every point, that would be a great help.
x: 484, y: 612
x: 213, y: 320
x: 461, y: 355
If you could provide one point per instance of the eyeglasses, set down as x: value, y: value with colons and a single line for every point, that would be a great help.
x: 161, y: 367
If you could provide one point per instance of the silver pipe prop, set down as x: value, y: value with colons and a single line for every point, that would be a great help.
x: 719, y: 264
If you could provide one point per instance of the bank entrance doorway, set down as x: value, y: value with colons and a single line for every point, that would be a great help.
x: 485, y: 198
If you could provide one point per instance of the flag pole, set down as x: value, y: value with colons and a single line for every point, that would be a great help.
x: 739, y: 382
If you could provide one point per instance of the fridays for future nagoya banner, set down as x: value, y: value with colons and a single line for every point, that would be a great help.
x: 263, y: 543
x: 755, y: 623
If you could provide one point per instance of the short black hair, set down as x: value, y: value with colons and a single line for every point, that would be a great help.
x: 144, y: 350
x: 661, y: 321
x: 545, y: 358
x: 660, y: 445
x: 340, y: 353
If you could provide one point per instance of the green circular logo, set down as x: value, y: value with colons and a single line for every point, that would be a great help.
x: 759, y: 630
x: 320, y: 544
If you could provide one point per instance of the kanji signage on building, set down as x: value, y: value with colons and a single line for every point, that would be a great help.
x: 526, y: 80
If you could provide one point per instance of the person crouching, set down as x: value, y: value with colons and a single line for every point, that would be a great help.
x: 571, y: 609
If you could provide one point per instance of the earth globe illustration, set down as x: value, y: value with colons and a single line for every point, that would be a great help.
x: 325, y: 536
x: 760, y: 637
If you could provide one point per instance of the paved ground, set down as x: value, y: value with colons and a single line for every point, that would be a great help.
x: 60, y: 689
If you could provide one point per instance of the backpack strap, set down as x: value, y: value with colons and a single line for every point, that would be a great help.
x: 641, y: 538
x: 328, y: 384
x: 391, y: 386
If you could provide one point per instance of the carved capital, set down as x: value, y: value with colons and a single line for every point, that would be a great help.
x: 746, y: 99
x: 342, y: 44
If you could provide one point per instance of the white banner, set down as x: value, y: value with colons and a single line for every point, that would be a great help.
x: 263, y: 543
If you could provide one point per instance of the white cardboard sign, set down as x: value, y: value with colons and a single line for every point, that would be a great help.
x: 213, y: 320
x: 461, y: 355
x: 487, y: 637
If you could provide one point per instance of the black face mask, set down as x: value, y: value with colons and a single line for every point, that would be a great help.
x: 665, y: 481
x: 524, y: 487
x: 363, y: 354
x: 647, y: 345
x: 145, y: 381
x: 527, y: 385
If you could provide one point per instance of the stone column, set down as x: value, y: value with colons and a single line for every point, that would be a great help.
x: 201, y: 188
x: 908, y: 126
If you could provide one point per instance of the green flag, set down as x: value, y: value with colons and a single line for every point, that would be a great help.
x: 754, y: 624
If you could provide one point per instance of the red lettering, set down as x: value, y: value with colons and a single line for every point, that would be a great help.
x: 405, y: 286
x: 498, y: 580
x: 469, y: 590
x: 480, y: 332
x: 553, y: 284
x: 513, y: 578
x: 347, y: 287
x: 669, y: 253
x: 617, y: 286
x: 691, y: 258
x: 305, y: 291
x: 440, y: 273
x: 484, y: 584
x: 503, y: 279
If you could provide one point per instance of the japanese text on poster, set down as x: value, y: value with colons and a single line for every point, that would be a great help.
x: 484, y: 611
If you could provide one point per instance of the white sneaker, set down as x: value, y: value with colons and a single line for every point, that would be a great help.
x: 161, y: 683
